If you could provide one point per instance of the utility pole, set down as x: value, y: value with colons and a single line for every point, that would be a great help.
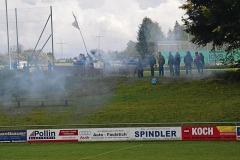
x: 99, y: 42
x: 61, y: 46
x: 9, y: 57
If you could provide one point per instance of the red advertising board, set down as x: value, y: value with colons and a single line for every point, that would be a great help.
x: 209, y: 133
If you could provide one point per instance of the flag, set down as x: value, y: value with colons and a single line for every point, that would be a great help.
x: 75, y: 24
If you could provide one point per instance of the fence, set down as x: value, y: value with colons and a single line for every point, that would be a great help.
x: 90, y: 70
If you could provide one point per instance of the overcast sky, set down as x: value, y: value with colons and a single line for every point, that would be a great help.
x: 116, y: 20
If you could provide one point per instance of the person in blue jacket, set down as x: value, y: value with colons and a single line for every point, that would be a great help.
x: 188, y: 60
x: 152, y: 62
x: 15, y: 66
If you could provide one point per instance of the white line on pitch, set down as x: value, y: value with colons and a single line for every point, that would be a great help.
x: 112, y: 151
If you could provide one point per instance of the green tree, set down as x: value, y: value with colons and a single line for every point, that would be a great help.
x: 131, y: 49
x: 215, y: 21
x: 3, y: 59
x: 149, y: 34
x: 179, y: 33
x: 170, y: 35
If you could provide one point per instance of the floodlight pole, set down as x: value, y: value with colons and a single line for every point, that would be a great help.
x: 9, y: 58
x: 52, y: 37
x: 17, y: 33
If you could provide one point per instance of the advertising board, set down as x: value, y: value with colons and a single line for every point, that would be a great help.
x: 13, y: 136
x: 155, y: 133
x: 209, y: 133
x: 238, y: 132
x: 52, y: 135
x: 103, y: 134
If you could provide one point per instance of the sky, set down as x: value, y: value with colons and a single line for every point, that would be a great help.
x: 116, y: 21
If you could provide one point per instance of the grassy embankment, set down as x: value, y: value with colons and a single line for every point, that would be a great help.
x: 126, y: 100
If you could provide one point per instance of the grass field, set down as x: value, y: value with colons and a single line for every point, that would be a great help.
x: 166, y: 150
x: 119, y: 99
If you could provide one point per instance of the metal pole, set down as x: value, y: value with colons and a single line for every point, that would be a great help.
x: 52, y: 37
x: 9, y: 58
x: 17, y: 33
x: 81, y: 33
x: 40, y: 36
x: 42, y: 48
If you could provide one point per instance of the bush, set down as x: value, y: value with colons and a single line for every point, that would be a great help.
x: 233, y: 76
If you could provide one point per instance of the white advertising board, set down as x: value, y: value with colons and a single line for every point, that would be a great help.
x: 103, y: 134
x: 156, y: 133
x: 52, y: 135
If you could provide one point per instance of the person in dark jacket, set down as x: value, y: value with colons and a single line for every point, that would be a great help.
x: 139, y: 69
x: 201, y: 60
x: 161, y: 62
x: 152, y: 62
x: 188, y: 63
x: 177, y: 62
x: 171, y: 63
x: 197, y: 62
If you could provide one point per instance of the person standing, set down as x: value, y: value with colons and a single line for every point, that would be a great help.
x: 188, y: 63
x: 25, y: 68
x: 152, y: 62
x: 139, y: 69
x: 177, y: 62
x: 15, y: 66
x: 161, y: 62
x: 171, y: 63
x: 37, y: 67
x: 50, y: 66
x: 197, y: 62
x: 201, y: 60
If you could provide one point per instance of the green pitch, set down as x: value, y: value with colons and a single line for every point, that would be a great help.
x: 166, y: 150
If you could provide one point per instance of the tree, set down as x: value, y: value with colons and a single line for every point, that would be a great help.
x: 170, y: 35
x: 149, y: 34
x: 179, y: 32
x: 215, y: 21
x: 3, y: 59
x: 176, y: 31
x: 50, y: 56
x: 131, y: 49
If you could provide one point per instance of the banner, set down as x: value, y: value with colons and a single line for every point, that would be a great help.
x: 103, y: 134
x: 52, y: 135
x: 155, y: 133
x: 98, y: 64
x: 13, y: 136
x: 209, y: 133
x: 238, y: 132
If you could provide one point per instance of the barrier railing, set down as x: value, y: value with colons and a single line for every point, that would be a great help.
x: 44, y: 103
